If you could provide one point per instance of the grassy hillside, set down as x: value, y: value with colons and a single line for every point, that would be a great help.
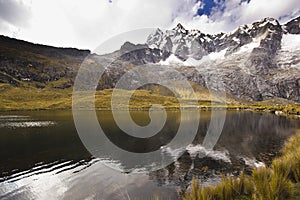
x: 35, y: 77
x: 22, y: 62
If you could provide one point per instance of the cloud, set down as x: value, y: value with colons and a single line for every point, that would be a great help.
x: 14, y: 12
x: 107, y: 19
x: 85, y: 25
x: 72, y: 23
x: 232, y: 13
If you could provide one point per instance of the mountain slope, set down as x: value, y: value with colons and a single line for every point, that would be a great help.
x: 24, y: 62
x: 258, y: 61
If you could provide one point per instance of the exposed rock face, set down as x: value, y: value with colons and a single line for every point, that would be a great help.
x: 193, y: 43
x: 257, y: 61
x: 292, y: 26
x: 139, y: 54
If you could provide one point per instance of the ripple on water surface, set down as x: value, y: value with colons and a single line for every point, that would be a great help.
x: 21, y: 121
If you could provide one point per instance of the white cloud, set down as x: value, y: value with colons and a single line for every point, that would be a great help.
x: 236, y: 13
x: 86, y: 25
x: 14, y: 12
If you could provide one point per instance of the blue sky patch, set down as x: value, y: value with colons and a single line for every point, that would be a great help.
x: 210, y: 5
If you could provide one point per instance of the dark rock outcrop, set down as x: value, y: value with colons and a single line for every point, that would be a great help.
x: 292, y: 26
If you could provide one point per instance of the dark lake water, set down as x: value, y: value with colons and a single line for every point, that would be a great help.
x: 42, y: 156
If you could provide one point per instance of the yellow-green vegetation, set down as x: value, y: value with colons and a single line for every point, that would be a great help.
x: 228, y: 188
x: 272, y: 183
x: 283, y: 109
x: 47, y: 96
x: 31, y: 98
x: 280, y: 181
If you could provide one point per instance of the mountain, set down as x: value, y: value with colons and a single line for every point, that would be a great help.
x: 24, y: 62
x: 194, y: 44
x: 256, y: 62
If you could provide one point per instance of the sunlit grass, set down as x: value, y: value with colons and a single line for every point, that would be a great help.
x: 280, y: 181
x: 29, y: 97
x: 228, y: 188
x: 272, y: 183
x: 32, y: 98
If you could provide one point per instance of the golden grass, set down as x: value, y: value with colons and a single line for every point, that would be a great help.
x: 228, y: 188
x: 278, y: 182
x: 28, y: 97
x: 271, y: 183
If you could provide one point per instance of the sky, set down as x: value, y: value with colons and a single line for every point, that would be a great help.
x: 87, y: 24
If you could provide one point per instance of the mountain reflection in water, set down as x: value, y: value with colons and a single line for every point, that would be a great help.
x: 42, y: 155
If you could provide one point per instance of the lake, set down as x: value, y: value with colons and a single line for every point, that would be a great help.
x: 43, y: 157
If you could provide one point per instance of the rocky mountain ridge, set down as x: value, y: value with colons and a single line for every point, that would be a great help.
x: 257, y: 61
x: 195, y: 44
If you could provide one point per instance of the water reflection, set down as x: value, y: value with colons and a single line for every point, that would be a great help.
x: 44, y: 160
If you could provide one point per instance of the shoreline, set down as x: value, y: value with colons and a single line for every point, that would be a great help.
x: 280, y: 180
x: 279, y: 110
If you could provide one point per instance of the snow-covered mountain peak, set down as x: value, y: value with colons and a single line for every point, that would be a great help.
x: 179, y: 28
x: 269, y: 20
x: 184, y: 44
x: 256, y: 61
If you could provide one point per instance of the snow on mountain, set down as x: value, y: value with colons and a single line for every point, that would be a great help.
x: 256, y: 61
x: 172, y: 60
x: 288, y: 56
x: 247, y: 47
x: 290, y: 42
x: 214, y: 56
x: 185, y: 44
